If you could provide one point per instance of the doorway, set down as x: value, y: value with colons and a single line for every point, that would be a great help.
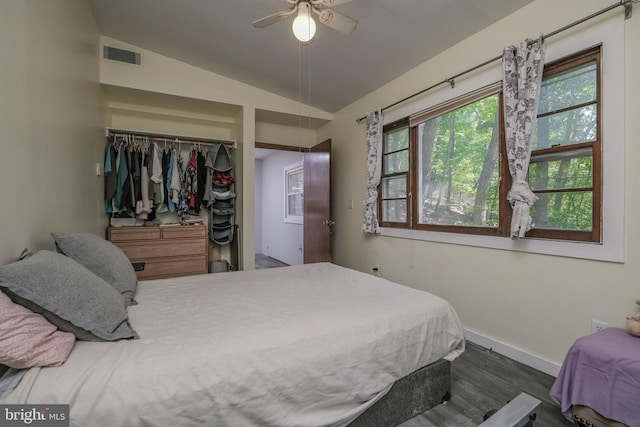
x: 292, y: 207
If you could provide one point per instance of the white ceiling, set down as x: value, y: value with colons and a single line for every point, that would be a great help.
x: 392, y: 37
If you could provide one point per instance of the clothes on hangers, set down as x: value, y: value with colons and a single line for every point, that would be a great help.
x: 143, y: 179
x: 157, y: 178
x: 145, y: 209
x: 192, y: 179
x: 201, y: 172
x: 110, y: 177
x: 183, y: 203
x: 136, y: 176
x: 123, y: 173
x: 171, y: 201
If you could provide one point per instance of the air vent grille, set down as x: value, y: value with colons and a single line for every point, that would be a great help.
x: 121, y: 55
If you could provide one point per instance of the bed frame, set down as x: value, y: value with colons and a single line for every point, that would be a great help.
x: 410, y: 396
x: 430, y: 386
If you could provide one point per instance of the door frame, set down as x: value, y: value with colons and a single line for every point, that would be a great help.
x: 297, y: 149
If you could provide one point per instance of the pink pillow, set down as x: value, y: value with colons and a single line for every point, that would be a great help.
x: 27, y: 339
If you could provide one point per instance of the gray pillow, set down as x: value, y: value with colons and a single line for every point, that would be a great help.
x: 67, y: 295
x: 103, y: 258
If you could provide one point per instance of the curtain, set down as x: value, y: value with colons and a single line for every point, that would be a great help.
x: 523, y: 68
x: 374, y: 171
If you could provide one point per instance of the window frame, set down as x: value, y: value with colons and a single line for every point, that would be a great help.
x: 556, y: 67
x: 503, y: 169
x: 395, y: 224
x: 567, y: 62
x: 293, y: 169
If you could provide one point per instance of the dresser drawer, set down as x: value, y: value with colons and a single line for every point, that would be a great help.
x: 162, y: 248
x: 167, y: 251
x: 127, y: 234
x: 167, y: 267
x: 184, y: 232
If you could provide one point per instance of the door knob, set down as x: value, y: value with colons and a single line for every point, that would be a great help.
x: 328, y: 223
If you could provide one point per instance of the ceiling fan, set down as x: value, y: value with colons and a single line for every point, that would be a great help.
x: 304, y: 27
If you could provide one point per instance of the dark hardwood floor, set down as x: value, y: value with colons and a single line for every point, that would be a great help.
x: 482, y: 380
x: 264, y: 261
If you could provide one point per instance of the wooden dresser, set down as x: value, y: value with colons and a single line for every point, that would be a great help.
x: 169, y: 251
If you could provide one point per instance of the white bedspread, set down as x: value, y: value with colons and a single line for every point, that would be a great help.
x: 311, y: 345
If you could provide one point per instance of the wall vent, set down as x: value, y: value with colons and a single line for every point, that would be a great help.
x: 121, y: 55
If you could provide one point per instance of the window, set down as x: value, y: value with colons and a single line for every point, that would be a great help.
x: 445, y: 169
x: 565, y: 161
x: 294, y: 194
x: 395, y: 176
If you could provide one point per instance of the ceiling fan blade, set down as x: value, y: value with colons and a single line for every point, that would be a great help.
x: 337, y: 21
x: 329, y: 3
x: 272, y: 19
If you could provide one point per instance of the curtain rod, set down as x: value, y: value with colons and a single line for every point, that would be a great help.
x: 171, y: 138
x: 628, y: 7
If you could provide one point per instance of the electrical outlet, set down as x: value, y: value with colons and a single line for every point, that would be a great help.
x: 376, y: 270
x: 598, y: 325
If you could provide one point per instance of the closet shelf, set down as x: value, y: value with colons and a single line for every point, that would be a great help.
x: 159, y: 137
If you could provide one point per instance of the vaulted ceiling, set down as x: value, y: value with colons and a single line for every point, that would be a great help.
x: 392, y: 37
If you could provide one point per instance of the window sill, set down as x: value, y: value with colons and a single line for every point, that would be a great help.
x: 607, y: 251
x: 294, y: 220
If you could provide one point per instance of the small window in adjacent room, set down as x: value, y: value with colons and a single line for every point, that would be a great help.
x: 294, y: 194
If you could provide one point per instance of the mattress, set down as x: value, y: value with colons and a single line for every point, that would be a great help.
x: 309, y: 345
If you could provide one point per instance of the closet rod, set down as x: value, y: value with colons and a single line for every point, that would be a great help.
x: 628, y: 5
x: 172, y: 138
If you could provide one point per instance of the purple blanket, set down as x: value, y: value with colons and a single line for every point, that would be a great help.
x: 602, y: 371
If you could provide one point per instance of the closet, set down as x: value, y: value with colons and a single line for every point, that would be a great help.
x: 171, y: 201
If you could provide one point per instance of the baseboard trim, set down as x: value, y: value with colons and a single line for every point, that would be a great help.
x: 514, y: 353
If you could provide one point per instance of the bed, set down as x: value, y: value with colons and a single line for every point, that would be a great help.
x: 309, y: 345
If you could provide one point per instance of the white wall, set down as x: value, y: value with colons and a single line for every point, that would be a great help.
x: 52, y: 118
x: 280, y: 240
x: 539, y: 315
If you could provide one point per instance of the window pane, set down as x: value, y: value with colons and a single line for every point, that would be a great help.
x: 397, y: 139
x: 564, y: 211
x: 396, y: 162
x: 566, y: 128
x: 295, y: 183
x: 458, y: 172
x: 572, y: 87
x: 295, y: 205
x: 564, y: 179
x: 394, y: 188
x: 394, y: 210
x: 569, y: 169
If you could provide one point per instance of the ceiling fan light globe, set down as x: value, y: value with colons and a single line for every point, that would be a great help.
x: 304, y: 27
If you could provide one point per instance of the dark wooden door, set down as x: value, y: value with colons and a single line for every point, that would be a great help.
x: 318, y: 226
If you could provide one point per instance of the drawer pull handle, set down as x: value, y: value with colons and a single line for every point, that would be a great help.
x: 138, y: 266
